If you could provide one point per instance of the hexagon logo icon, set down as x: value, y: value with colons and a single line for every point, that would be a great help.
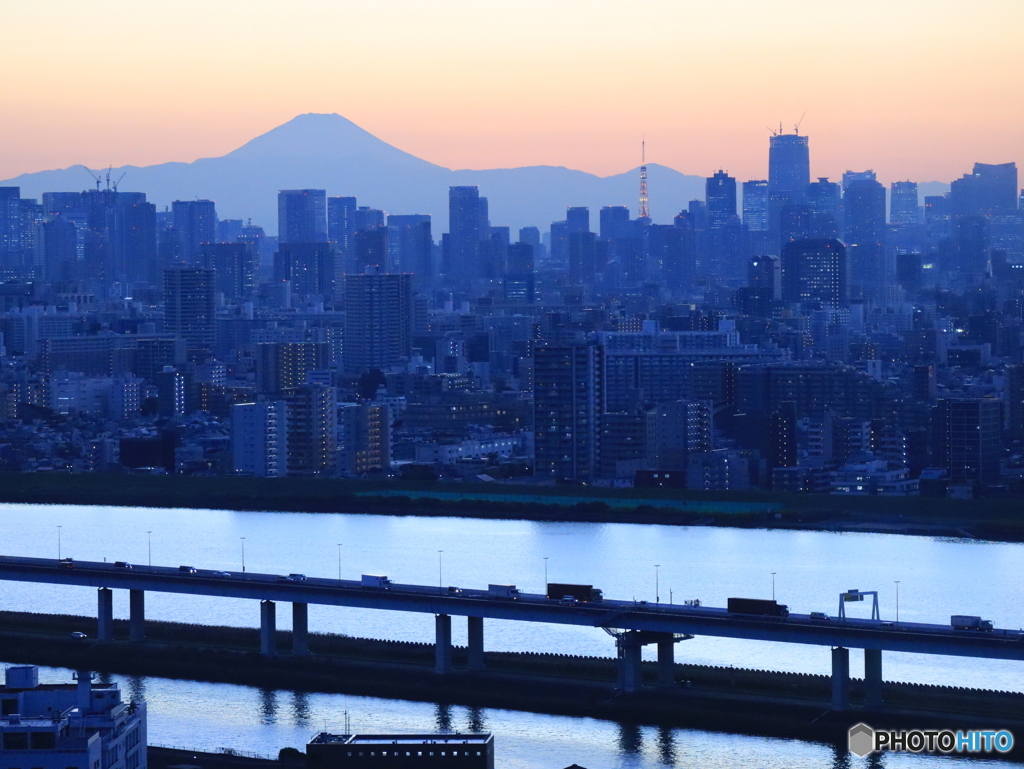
x: 861, y: 740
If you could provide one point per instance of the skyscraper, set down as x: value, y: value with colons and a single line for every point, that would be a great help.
x: 378, y: 321
x: 965, y: 434
x: 302, y: 216
x: 755, y: 205
x: 237, y: 268
x: 789, y: 164
x: 464, y: 234
x: 312, y: 268
x: 577, y: 219
x: 903, y: 204
x: 410, y: 245
x: 519, y: 275
x: 864, y: 215
x: 814, y: 271
x: 259, y: 438
x: 195, y: 221
x: 312, y: 427
x: 339, y: 221
x: 189, y: 310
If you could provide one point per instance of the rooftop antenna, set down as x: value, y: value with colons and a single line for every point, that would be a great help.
x: 644, y: 212
x: 96, y: 177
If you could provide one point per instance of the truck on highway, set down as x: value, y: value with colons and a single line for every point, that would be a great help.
x: 375, y: 580
x: 758, y: 606
x: 969, y: 622
x: 582, y: 593
x: 503, y: 591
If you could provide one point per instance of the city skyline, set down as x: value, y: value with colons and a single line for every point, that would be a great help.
x: 920, y: 96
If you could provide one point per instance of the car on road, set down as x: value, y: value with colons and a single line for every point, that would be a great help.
x: 820, y: 615
x: 79, y: 634
x: 221, y: 574
x: 187, y: 569
x: 122, y: 565
x: 297, y: 577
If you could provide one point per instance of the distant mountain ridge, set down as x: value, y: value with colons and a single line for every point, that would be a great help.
x: 330, y: 152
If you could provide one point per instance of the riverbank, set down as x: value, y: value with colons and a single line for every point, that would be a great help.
x: 994, y: 519
x: 719, y: 699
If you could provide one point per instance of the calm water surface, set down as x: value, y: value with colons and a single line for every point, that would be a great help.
x: 937, y: 578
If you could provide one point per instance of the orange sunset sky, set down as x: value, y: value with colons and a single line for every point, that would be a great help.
x: 915, y: 90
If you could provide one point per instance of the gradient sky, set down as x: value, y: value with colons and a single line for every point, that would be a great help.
x: 916, y: 89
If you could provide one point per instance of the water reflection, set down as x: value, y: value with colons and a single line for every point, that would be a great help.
x: 443, y: 717
x: 268, y: 706
x: 631, y: 739
x: 136, y: 688
x: 475, y: 720
x: 667, y: 745
x: 300, y: 708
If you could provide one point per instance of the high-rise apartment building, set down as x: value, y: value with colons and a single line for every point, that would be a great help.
x: 312, y: 268
x: 411, y: 245
x: 302, y: 216
x: 466, y: 215
x: 378, y: 321
x: 340, y: 221
x: 312, y: 427
x: 237, y: 268
x: 864, y: 216
x: 259, y: 438
x: 284, y: 365
x: 568, y: 401
x: 965, y: 435
x: 189, y: 308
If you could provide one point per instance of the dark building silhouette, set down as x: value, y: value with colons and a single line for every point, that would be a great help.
x: 411, y: 245
x: 466, y: 220
x: 302, y: 216
x: 568, y: 398
x: 864, y: 215
x: 903, y: 206
x: 189, y: 308
x: 519, y: 279
x: 195, y: 221
x: 283, y: 365
x: 577, y: 219
x: 378, y: 321
x: 789, y: 164
x: 814, y: 271
x: 236, y: 266
x: 965, y: 438
x: 369, y: 251
x: 581, y: 255
x: 312, y: 268
x: 339, y: 220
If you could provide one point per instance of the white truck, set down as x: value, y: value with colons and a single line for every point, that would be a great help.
x: 375, y: 580
x: 503, y: 591
x: 969, y: 622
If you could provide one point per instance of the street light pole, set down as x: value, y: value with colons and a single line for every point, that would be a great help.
x: 149, y: 548
x: 58, y: 543
x: 545, y: 574
x: 243, y: 554
x: 657, y: 584
x: 773, y: 585
x: 440, y: 580
x: 897, y: 601
x: 339, y: 562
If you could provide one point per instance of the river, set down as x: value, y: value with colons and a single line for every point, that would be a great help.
x: 937, y: 578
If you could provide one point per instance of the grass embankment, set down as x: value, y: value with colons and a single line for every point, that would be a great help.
x: 993, y: 518
x: 548, y: 683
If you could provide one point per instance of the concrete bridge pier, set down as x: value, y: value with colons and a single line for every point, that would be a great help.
x: 300, y: 628
x: 840, y: 678
x: 443, y: 643
x: 475, y: 643
x: 666, y: 662
x: 268, y: 628
x: 136, y: 615
x: 630, y: 647
x: 105, y: 615
x: 873, y: 678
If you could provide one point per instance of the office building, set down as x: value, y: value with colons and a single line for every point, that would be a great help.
x: 814, y: 271
x: 259, y: 438
x: 568, y: 398
x: 789, y: 164
x: 369, y: 251
x: 518, y: 284
x: 903, y: 203
x: 189, y: 308
x: 466, y: 216
x: 411, y: 245
x: 378, y: 321
x: 864, y: 217
x: 313, y: 269
x: 195, y: 222
x: 302, y: 216
x: 340, y: 224
x: 236, y: 266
